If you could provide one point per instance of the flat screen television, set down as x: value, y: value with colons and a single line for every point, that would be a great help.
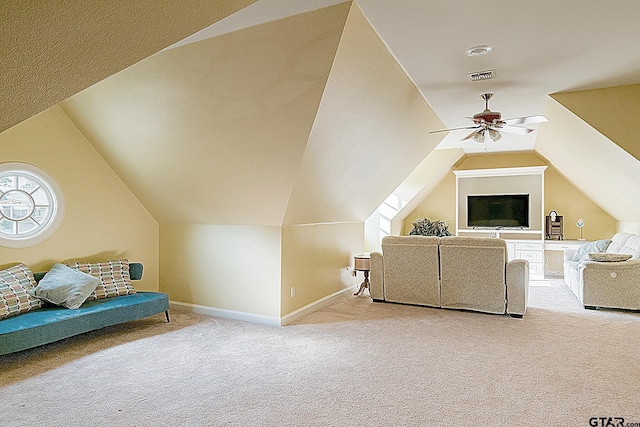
x: 498, y: 211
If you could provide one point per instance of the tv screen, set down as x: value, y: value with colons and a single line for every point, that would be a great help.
x: 499, y: 210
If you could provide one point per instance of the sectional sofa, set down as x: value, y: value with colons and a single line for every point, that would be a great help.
x: 466, y: 273
x: 610, y: 282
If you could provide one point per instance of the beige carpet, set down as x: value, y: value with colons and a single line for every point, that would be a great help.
x: 354, y: 363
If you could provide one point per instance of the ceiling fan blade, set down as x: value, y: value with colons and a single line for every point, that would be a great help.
x: 514, y: 130
x: 447, y: 130
x: 472, y: 134
x: 515, y: 121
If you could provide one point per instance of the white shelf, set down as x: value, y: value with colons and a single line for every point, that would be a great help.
x: 560, y: 245
x: 503, y: 233
x: 531, y: 170
x: 500, y: 230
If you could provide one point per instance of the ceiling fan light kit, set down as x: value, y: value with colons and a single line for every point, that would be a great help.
x: 490, y: 123
x: 494, y: 135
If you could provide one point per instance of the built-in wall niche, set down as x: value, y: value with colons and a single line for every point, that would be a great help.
x: 527, y: 181
x: 524, y: 242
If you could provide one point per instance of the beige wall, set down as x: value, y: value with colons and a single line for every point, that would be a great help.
x: 317, y: 260
x: 560, y: 195
x: 251, y: 269
x: 593, y: 163
x: 323, y: 226
x: 440, y: 204
x: 584, y: 140
x: 102, y: 220
x: 371, y: 117
x: 228, y: 267
x: 229, y: 116
x: 606, y: 109
x: 420, y: 183
x: 371, y: 129
x: 572, y: 204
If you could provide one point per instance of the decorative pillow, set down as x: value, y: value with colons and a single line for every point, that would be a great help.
x: 583, y: 251
x: 114, y: 278
x: 609, y: 257
x: 65, y: 286
x: 15, y: 284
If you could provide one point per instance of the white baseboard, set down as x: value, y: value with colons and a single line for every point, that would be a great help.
x: 310, y: 308
x: 258, y: 318
x: 227, y: 314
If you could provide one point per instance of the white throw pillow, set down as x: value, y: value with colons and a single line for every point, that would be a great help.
x: 65, y: 286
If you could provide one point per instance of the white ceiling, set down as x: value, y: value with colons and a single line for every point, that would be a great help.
x: 538, y: 48
x: 258, y: 13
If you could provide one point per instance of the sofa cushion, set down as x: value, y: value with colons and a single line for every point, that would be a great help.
x: 15, y: 284
x: 65, y: 286
x: 472, y: 274
x: 617, y: 242
x: 114, y: 278
x: 582, y: 253
x: 411, y: 270
x: 53, y: 323
x: 476, y: 241
x: 632, y: 247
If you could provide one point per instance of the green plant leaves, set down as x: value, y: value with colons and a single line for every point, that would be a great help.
x: 426, y: 227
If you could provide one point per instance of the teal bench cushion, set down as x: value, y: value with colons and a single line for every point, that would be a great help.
x: 51, y: 324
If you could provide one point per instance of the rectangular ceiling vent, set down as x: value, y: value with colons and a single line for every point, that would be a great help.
x: 481, y: 75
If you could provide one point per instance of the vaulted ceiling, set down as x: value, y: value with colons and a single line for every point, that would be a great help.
x: 277, y: 112
x: 52, y: 50
x: 218, y: 125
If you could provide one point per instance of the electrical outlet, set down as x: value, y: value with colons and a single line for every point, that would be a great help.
x: 558, y: 259
x: 293, y: 292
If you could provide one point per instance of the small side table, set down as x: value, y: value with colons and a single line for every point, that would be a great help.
x: 362, y: 263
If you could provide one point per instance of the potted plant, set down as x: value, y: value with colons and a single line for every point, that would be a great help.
x: 426, y: 227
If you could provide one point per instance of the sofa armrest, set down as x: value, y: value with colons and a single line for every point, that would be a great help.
x: 568, y: 265
x: 611, y: 284
x: 376, y: 276
x: 517, y: 287
x: 568, y: 253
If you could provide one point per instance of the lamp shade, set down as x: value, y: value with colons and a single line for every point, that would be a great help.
x: 494, y: 135
x: 479, y: 136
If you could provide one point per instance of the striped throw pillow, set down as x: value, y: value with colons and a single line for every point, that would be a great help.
x: 114, y: 278
x: 16, y: 283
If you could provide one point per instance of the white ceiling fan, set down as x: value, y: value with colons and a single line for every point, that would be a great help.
x: 490, y: 123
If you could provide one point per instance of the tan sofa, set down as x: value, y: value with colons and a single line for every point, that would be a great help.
x: 468, y: 273
x: 605, y: 284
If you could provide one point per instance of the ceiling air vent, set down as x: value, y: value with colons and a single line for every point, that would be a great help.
x: 481, y: 75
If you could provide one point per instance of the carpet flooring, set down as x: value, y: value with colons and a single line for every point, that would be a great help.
x: 351, y: 363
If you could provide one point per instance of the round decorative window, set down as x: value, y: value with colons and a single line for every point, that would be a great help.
x: 31, y: 205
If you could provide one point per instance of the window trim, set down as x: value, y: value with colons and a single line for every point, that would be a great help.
x: 58, y: 205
